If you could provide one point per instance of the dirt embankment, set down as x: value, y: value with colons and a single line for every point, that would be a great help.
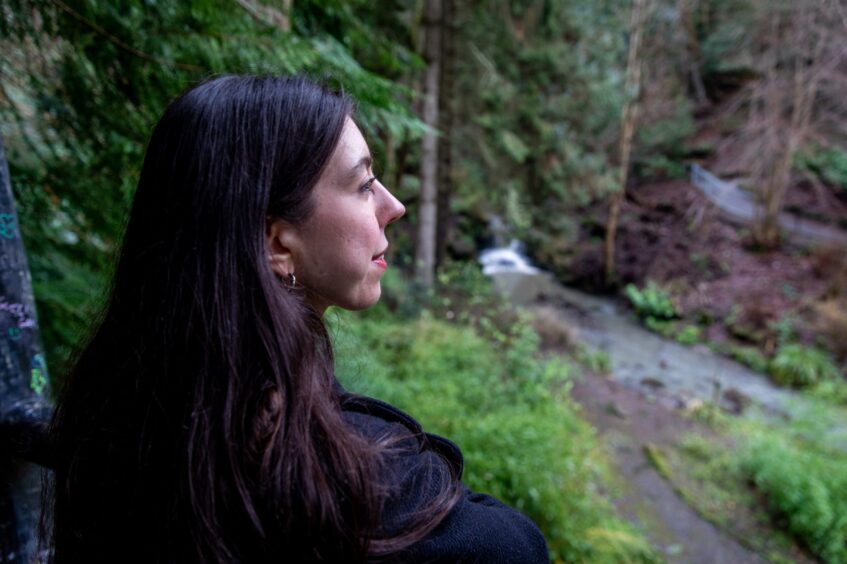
x: 738, y: 294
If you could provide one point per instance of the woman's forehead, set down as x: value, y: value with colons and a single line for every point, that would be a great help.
x: 351, y: 157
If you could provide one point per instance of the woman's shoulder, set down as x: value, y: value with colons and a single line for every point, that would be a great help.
x: 481, y: 529
x: 478, y: 528
x: 379, y: 420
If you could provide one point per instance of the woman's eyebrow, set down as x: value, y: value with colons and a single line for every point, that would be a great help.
x: 354, y: 173
x: 365, y: 162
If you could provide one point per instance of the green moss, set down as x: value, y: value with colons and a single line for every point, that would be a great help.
x: 706, y: 474
x: 657, y: 459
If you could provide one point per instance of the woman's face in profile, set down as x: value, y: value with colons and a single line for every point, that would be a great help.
x: 338, y: 253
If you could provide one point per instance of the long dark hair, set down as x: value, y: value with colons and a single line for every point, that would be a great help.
x: 202, y: 421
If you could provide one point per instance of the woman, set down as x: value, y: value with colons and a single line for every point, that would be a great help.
x: 203, y: 422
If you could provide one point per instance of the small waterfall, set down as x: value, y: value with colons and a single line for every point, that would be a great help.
x: 506, y: 259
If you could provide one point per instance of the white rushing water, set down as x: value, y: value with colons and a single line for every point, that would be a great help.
x: 506, y: 259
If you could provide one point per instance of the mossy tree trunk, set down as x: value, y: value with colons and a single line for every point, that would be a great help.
x: 24, y: 389
x: 447, y: 122
x: 629, y: 119
x: 428, y: 207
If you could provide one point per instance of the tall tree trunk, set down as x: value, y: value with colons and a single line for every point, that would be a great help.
x: 427, y: 211
x: 24, y: 389
x: 694, y: 56
x: 629, y: 120
x: 787, y: 102
x: 446, y: 119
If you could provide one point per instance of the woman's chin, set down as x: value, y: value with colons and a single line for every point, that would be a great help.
x: 356, y: 303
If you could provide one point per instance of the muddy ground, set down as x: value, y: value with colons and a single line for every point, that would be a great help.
x: 671, y: 234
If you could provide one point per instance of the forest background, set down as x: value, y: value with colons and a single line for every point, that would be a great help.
x: 568, y: 123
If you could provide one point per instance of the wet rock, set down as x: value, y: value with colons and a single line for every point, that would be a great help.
x: 735, y: 401
x: 691, y: 405
x: 614, y: 409
x: 652, y: 383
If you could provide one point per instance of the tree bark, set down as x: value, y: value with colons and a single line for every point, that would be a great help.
x: 427, y: 211
x: 694, y: 58
x: 787, y: 101
x: 446, y: 119
x: 24, y: 389
x: 629, y: 120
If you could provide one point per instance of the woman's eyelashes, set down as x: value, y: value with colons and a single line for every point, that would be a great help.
x: 368, y: 185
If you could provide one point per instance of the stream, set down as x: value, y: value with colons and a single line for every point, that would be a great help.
x: 637, y: 407
x: 640, y: 359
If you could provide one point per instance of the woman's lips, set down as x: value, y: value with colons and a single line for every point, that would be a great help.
x: 379, y: 261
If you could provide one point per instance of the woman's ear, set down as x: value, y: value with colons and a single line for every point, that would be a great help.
x: 281, y: 241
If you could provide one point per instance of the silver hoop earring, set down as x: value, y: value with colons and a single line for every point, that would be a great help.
x: 292, y: 281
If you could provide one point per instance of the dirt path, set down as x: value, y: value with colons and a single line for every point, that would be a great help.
x: 628, y: 422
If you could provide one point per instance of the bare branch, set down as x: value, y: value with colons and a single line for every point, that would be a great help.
x: 268, y: 15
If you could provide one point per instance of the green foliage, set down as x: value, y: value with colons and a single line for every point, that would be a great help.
x: 543, y: 88
x: 798, y: 463
x: 662, y: 167
x: 663, y: 327
x: 658, y: 461
x: 688, y: 335
x: 513, y: 145
x: 801, y: 366
x: 784, y: 329
x: 725, y: 28
x: 751, y: 357
x: 806, y: 490
x: 828, y: 164
x: 510, y: 413
x: 832, y: 391
x: 666, y: 136
x: 650, y: 301
x: 705, y: 471
x: 597, y: 361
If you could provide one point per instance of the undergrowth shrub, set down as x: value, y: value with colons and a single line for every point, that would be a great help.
x: 806, y: 490
x: 801, y: 366
x: 751, y: 357
x: 652, y: 301
x: 833, y: 392
x: 511, y: 414
x: 688, y: 335
x: 829, y: 164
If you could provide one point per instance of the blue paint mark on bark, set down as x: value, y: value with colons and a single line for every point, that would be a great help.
x: 8, y: 226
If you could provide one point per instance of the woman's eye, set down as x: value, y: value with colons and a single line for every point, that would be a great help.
x: 368, y: 185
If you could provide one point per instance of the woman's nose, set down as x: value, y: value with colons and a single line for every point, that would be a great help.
x: 392, y: 208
